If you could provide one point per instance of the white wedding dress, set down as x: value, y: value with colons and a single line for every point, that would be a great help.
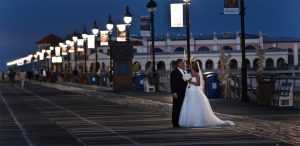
x: 196, y: 110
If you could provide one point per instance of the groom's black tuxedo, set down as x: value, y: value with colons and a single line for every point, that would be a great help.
x: 178, y: 86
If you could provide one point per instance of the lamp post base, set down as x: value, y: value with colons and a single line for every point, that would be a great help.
x: 153, y: 79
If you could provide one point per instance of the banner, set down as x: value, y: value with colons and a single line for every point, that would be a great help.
x: 121, y: 30
x: 80, y: 45
x: 48, y: 54
x: 231, y: 7
x: 91, y: 41
x: 176, y: 15
x: 64, y: 50
x: 104, y: 37
x: 57, y: 51
x: 145, y: 26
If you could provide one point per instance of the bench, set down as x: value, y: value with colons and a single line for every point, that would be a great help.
x: 284, y: 97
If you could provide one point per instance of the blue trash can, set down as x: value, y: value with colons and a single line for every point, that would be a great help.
x: 212, y: 86
x: 139, y: 82
x: 103, y: 80
x: 93, y: 79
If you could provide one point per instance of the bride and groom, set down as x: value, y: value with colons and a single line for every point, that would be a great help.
x: 191, y: 107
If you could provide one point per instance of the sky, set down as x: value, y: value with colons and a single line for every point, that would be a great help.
x: 24, y: 22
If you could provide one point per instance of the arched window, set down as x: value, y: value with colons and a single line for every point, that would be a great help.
x: 148, y: 65
x: 280, y: 63
x: 137, y: 66
x: 158, y: 50
x: 200, y: 64
x: 227, y: 48
x: 173, y: 64
x: 203, y: 49
x: 248, y: 63
x: 290, y: 57
x: 269, y: 63
x: 209, y: 65
x: 233, y: 64
x: 250, y: 48
x: 179, y: 49
x: 92, y: 67
x: 255, y: 63
x: 161, y: 65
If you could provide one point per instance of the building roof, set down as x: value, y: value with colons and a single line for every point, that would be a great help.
x: 270, y: 39
x: 49, y: 39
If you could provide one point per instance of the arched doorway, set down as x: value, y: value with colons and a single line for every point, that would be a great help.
x: 233, y: 64
x: 280, y: 63
x: 248, y: 63
x: 161, y: 66
x: 173, y: 65
x: 209, y: 65
x: 269, y: 63
x: 255, y: 63
x: 137, y: 66
x: 290, y: 57
x: 148, y: 65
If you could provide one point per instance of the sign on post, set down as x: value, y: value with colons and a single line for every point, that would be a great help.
x: 176, y: 15
x: 231, y: 7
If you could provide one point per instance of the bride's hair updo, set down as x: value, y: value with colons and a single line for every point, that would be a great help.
x: 195, y: 66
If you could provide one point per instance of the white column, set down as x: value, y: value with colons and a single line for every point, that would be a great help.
x: 295, y: 53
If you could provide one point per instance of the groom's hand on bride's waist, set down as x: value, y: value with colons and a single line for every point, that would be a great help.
x: 175, y: 95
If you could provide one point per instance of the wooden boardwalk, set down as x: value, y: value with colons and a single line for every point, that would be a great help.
x: 41, y: 116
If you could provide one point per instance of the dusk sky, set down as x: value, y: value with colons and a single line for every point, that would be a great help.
x: 23, y: 22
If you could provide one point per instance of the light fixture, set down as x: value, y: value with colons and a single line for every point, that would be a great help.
x: 95, y: 29
x: 127, y: 16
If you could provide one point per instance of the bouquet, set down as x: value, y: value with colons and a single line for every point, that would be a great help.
x: 187, y: 77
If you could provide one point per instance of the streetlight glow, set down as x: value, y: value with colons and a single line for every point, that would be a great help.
x: 127, y: 16
x: 95, y: 29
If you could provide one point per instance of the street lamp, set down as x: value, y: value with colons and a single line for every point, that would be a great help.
x: 127, y: 20
x: 244, y: 64
x: 152, y: 7
x: 84, y: 36
x: 75, y: 38
x: 187, y: 23
x: 95, y: 31
x: 110, y: 26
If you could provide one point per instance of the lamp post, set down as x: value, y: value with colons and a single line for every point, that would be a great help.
x: 110, y: 26
x: 75, y: 38
x: 127, y: 20
x: 152, y: 7
x: 84, y: 36
x: 187, y: 23
x: 244, y: 65
x: 68, y: 42
x: 95, y: 31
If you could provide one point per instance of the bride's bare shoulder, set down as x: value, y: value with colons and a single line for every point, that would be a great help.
x: 195, y: 74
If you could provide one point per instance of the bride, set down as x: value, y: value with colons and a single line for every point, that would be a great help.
x: 196, y: 110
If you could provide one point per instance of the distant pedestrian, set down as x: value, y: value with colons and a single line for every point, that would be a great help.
x: 11, y: 76
x: 44, y: 75
x: 22, y: 78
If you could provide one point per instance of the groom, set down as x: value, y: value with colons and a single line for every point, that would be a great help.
x: 178, y: 86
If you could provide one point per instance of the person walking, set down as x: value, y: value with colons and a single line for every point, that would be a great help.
x: 11, y: 76
x: 178, y: 87
x: 22, y: 78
